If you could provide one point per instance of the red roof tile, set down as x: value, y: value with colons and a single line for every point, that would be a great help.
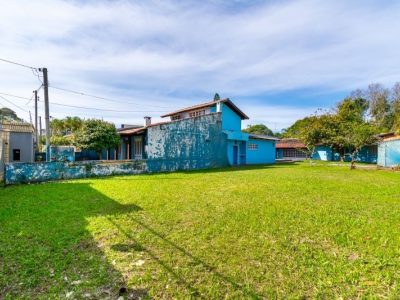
x: 290, y: 143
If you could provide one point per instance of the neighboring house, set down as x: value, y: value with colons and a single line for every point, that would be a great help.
x: 16, y: 143
x: 389, y: 150
x: 200, y: 136
x: 367, y: 154
x: 291, y: 149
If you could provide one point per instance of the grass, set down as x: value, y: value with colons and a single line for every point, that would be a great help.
x: 284, y: 231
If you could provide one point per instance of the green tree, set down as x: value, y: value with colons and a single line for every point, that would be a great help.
x: 379, y: 104
x: 68, y: 125
x: 7, y: 114
x: 97, y: 135
x: 217, y: 97
x: 357, y: 135
x: 295, y: 130
x: 395, y: 95
x: 258, y: 129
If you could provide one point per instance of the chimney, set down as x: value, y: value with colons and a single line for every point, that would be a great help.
x: 147, y: 121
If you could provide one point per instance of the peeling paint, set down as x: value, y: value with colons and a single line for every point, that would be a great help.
x: 194, y: 143
x: 48, y: 171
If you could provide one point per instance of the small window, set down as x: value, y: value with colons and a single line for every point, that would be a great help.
x: 197, y: 113
x: 16, y: 154
x: 175, y: 117
x: 252, y: 147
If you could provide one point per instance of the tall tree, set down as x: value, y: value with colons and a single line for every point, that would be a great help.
x: 68, y: 125
x: 395, y: 95
x: 7, y: 114
x: 378, y: 97
x: 217, y: 97
x: 97, y: 135
x: 258, y: 129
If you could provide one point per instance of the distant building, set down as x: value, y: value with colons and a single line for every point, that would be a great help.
x: 200, y: 136
x: 291, y: 149
x: 16, y: 143
x: 389, y: 150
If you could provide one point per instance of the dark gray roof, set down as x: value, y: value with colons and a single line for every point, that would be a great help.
x: 263, y: 137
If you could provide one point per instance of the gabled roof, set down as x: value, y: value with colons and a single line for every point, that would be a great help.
x: 227, y: 101
x: 290, y: 143
x: 263, y: 137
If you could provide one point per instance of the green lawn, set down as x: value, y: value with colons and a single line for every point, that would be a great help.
x: 284, y: 231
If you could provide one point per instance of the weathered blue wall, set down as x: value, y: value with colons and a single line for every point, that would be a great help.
x: 389, y: 153
x: 62, y: 153
x: 47, y: 171
x: 323, y: 153
x: 367, y: 154
x: 193, y: 143
x: 265, y: 154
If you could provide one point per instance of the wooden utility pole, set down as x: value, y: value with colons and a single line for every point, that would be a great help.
x: 36, y: 121
x: 40, y: 126
x: 46, y: 111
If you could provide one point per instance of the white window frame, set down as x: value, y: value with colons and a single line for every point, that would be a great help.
x: 252, y: 147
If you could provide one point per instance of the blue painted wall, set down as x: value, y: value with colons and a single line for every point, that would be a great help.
x: 389, y: 153
x: 193, y: 143
x: 367, y: 154
x: 62, y: 153
x: 230, y: 120
x: 265, y: 154
x: 324, y: 153
x: 47, y: 171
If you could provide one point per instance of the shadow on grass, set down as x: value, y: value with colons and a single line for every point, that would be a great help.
x: 194, y: 292
x: 46, y: 250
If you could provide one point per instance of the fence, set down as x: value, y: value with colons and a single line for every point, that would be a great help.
x: 47, y: 171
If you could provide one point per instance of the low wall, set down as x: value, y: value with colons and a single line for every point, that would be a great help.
x: 16, y: 173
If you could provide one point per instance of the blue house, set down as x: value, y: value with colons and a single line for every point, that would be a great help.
x: 389, y: 150
x: 201, y: 136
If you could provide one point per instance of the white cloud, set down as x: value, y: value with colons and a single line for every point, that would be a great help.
x: 174, y: 54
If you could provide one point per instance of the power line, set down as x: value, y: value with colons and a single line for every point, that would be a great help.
x: 15, y: 104
x: 18, y: 64
x: 102, y: 109
x: 103, y: 98
x: 19, y: 97
x: 82, y: 107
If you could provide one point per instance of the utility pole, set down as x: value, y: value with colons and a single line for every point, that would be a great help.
x: 46, y: 111
x: 40, y: 126
x: 36, y: 121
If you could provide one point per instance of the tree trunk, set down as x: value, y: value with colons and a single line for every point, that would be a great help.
x: 353, y: 160
x: 99, y: 155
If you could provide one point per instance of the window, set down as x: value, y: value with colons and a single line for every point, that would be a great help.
x: 252, y: 147
x: 294, y: 153
x: 138, y: 148
x: 16, y: 154
x: 197, y: 113
x: 175, y: 117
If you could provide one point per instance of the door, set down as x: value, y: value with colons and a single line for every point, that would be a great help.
x: 235, y: 155
x: 138, y: 148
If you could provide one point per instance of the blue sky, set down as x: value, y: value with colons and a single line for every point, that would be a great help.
x: 277, y: 60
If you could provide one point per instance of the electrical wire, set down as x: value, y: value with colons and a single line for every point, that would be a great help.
x: 82, y: 107
x: 19, y: 97
x: 15, y: 105
x: 102, y: 109
x: 103, y: 98
x: 18, y: 64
